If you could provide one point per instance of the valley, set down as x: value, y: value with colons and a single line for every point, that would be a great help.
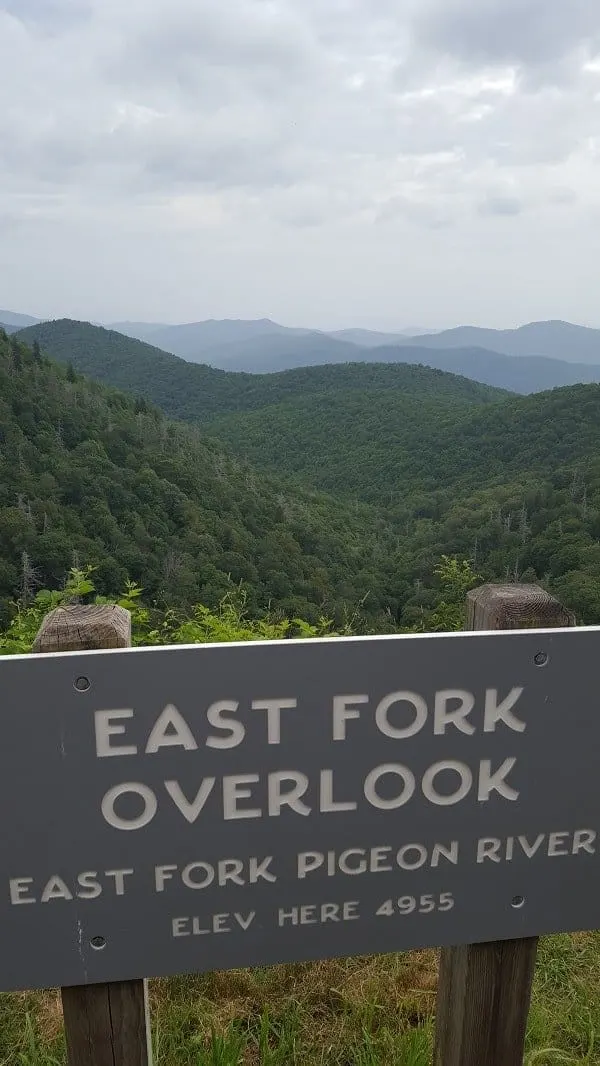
x: 318, y: 489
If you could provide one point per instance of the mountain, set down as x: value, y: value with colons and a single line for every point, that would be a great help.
x: 193, y: 339
x: 184, y: 390
x: 369, y: 338
x: 11, y: 321
x: 267, y: 354
x: 555, y: 340
x: 92, y: 476
x: 195, y: 393
x: 190, y: 340
x: 235, y: 343
x: 525, y: 374
x: 142, y: 331
x: 207, y: 341
x: 261, y: 345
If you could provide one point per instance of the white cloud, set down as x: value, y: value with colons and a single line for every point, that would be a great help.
x: 243, y: 148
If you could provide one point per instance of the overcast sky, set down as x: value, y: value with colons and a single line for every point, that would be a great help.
x: 384, y: 163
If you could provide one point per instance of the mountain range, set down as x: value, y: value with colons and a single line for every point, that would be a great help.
x: 10, y: 321
x: 533, y: 358
x: 194, y: 392
x: 87, y: 345
x: 235, y: 344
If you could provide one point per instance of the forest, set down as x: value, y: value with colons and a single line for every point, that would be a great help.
x: 193, y: 392
x: 90, y: 476
x: 325, y: 491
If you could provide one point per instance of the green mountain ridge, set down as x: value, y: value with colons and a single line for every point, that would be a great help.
x: 128, y: 363
x: 193, y: 392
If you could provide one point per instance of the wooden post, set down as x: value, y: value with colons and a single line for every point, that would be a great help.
x: 484, y: 990
x: 105, y: 1024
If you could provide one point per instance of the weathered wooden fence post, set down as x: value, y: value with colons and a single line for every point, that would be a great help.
x: 105, y: 1024
x: 484, y: 990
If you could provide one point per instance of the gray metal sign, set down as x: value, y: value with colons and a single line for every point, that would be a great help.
x: 170, y: 810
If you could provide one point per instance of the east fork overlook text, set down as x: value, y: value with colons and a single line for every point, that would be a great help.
x: 387, y: 786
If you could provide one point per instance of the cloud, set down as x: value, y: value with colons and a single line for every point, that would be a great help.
x: 271, y: 123
x: 529, y: 33
x: 50, y: 15
x: 501, y: 205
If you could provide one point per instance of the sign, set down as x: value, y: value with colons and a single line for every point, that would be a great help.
x: 173, y: 810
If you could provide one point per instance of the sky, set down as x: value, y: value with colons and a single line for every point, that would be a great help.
x: 327, y: 163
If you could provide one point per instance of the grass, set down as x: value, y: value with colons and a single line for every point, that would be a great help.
x: 375, y: 1011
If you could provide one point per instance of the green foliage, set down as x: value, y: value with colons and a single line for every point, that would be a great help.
x: 383, y: 445
x: 456, y: 577
x: 23, y: 626
x: 229, y: 621
x: 91, y: 476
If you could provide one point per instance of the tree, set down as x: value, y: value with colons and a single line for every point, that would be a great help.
x: 17, y: 358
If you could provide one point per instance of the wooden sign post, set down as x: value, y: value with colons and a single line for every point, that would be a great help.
x: 106, y: 1024
x: 484, y: 990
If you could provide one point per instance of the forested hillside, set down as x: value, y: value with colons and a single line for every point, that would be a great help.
x: 93, y: 476
x: 366, y: 443
x: 417, y: 464
x: 193, y: 393
x: 514, y: 486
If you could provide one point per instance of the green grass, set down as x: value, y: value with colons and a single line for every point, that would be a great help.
x: 376, y: 1011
